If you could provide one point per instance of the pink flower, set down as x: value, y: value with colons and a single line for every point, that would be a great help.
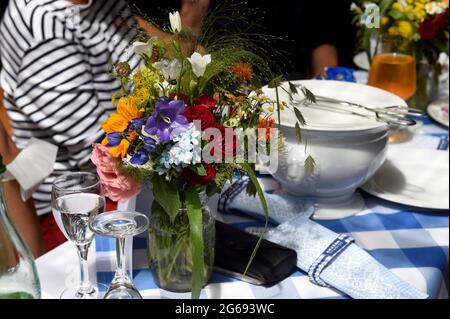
x: 118, y: 186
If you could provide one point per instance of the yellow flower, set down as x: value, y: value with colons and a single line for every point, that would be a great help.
x: 141, y: 94
x: 384, y: 21
x: 397, y: 6
x: 393, y: 31
x: 405, y: 29
x: 126, y: 111
x: 270, y: 109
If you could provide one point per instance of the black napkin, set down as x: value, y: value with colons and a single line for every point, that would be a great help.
x: 272, y: 263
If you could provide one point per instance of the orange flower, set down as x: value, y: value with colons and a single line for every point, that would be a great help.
x: 126, y: 111
x: 265, y: 124
x: 121, y: 149
x: 242, y: 71
x: 118, y: 122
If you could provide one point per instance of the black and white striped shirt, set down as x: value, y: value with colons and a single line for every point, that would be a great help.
x: 56, y: 59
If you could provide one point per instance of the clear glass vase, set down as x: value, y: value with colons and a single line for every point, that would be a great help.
x: 427, y: 84
x: 18, y: 275
x: 170, y: 250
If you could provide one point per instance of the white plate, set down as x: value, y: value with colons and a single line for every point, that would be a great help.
x: 437, y: 113
x: 416, y: 178
x: 361, y: 61
x: 333, y: 117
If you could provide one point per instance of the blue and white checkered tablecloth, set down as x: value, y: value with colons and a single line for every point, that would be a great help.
x: 410, y: 242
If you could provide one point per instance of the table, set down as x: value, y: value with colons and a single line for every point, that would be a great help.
x: 410, y: 242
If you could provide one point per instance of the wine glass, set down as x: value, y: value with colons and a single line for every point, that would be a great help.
x: 76, y: 200
x: 394, y: 69
x: 120, y: 225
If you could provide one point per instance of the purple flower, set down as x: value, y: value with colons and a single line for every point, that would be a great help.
x: 149, y: 144
x: 136, y: 124
x: 114, y: 139
x: 167, y: 117
x: 140, y: 158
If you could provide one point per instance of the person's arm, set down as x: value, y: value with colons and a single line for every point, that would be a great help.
x: 21, y: 213
x: 324, y: 56
x: 193, y: 12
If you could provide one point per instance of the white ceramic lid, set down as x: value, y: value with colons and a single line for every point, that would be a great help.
x: 332, y: 117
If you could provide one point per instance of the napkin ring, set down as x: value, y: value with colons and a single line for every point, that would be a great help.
x: 332, y: 251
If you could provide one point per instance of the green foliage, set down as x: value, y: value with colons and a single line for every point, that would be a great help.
x: 194, y: 212
x: 310, y: 165
x: 248, y: 169
x: 166, y: 195
x: 224, y: 173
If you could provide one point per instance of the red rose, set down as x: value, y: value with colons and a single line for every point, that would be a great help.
x: 207, y: 101
x: 200, y: 113
x: 229, y: 146
x: 427, y: 30
x: 441, y: 20
x: 192, y: 179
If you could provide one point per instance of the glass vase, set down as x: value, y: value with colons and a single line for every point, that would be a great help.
x: 170, y: 249
x: 18, y: 275
x: 427, y: 84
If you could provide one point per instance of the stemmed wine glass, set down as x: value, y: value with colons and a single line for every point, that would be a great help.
x: 76, y: 200
x: 394, y: 69
x: 120, y: 225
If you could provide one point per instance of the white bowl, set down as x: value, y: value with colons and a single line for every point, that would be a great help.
x: 348, y: 149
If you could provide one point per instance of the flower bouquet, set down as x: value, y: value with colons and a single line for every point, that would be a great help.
x: 423, y: 24
x: 186, y: 121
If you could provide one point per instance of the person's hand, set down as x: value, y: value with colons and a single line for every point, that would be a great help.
x: 189, y: 45
x: 193, y: 12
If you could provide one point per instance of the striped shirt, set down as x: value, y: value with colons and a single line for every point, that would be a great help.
x: 56, y: 59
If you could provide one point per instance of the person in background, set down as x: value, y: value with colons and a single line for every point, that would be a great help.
x: 56, y: 60
x: 23, y: 213
x: 318, y: 34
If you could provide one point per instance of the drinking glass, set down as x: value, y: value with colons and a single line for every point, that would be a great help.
x: 76, y: 200
x: 120, y: 225
x: 394, y: 69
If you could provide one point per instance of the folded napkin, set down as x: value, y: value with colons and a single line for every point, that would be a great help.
x: 282, y: 207
x: 330, y: 259
x: 32, y: 166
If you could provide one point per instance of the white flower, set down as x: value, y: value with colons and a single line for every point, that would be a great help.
x: 142, y: 48
x: 170, y: 69
x: 175, y: 22
x: 199, y: 63
x: 434, y: 7
x: 353, y: 7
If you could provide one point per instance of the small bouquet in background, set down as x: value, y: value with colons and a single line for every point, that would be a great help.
x: 424, y: 24
x: 185, y: 122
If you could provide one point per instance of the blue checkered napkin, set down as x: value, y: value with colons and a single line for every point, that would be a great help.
x: 353, y: 272
x: 282, y: 207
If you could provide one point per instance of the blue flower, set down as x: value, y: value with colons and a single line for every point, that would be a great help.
x: 140, y: 158
x: 340, y: 74
x: 149, y: 144
x: 136, y: 124
x: 114, y: 139
x: 167, y: 117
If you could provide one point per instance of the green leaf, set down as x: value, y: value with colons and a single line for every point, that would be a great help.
x: 293, y: 88
x: 299, y: 116
x: 310, y: 165
x: 194, y: 212
x: 396, y: 14
x: 309, y: 95
x: 248, y: 169
x: 298, y: 132
x: 276, y: 82
x: 166, y: 195
x: 2, y: 167
x: 198, y: 169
